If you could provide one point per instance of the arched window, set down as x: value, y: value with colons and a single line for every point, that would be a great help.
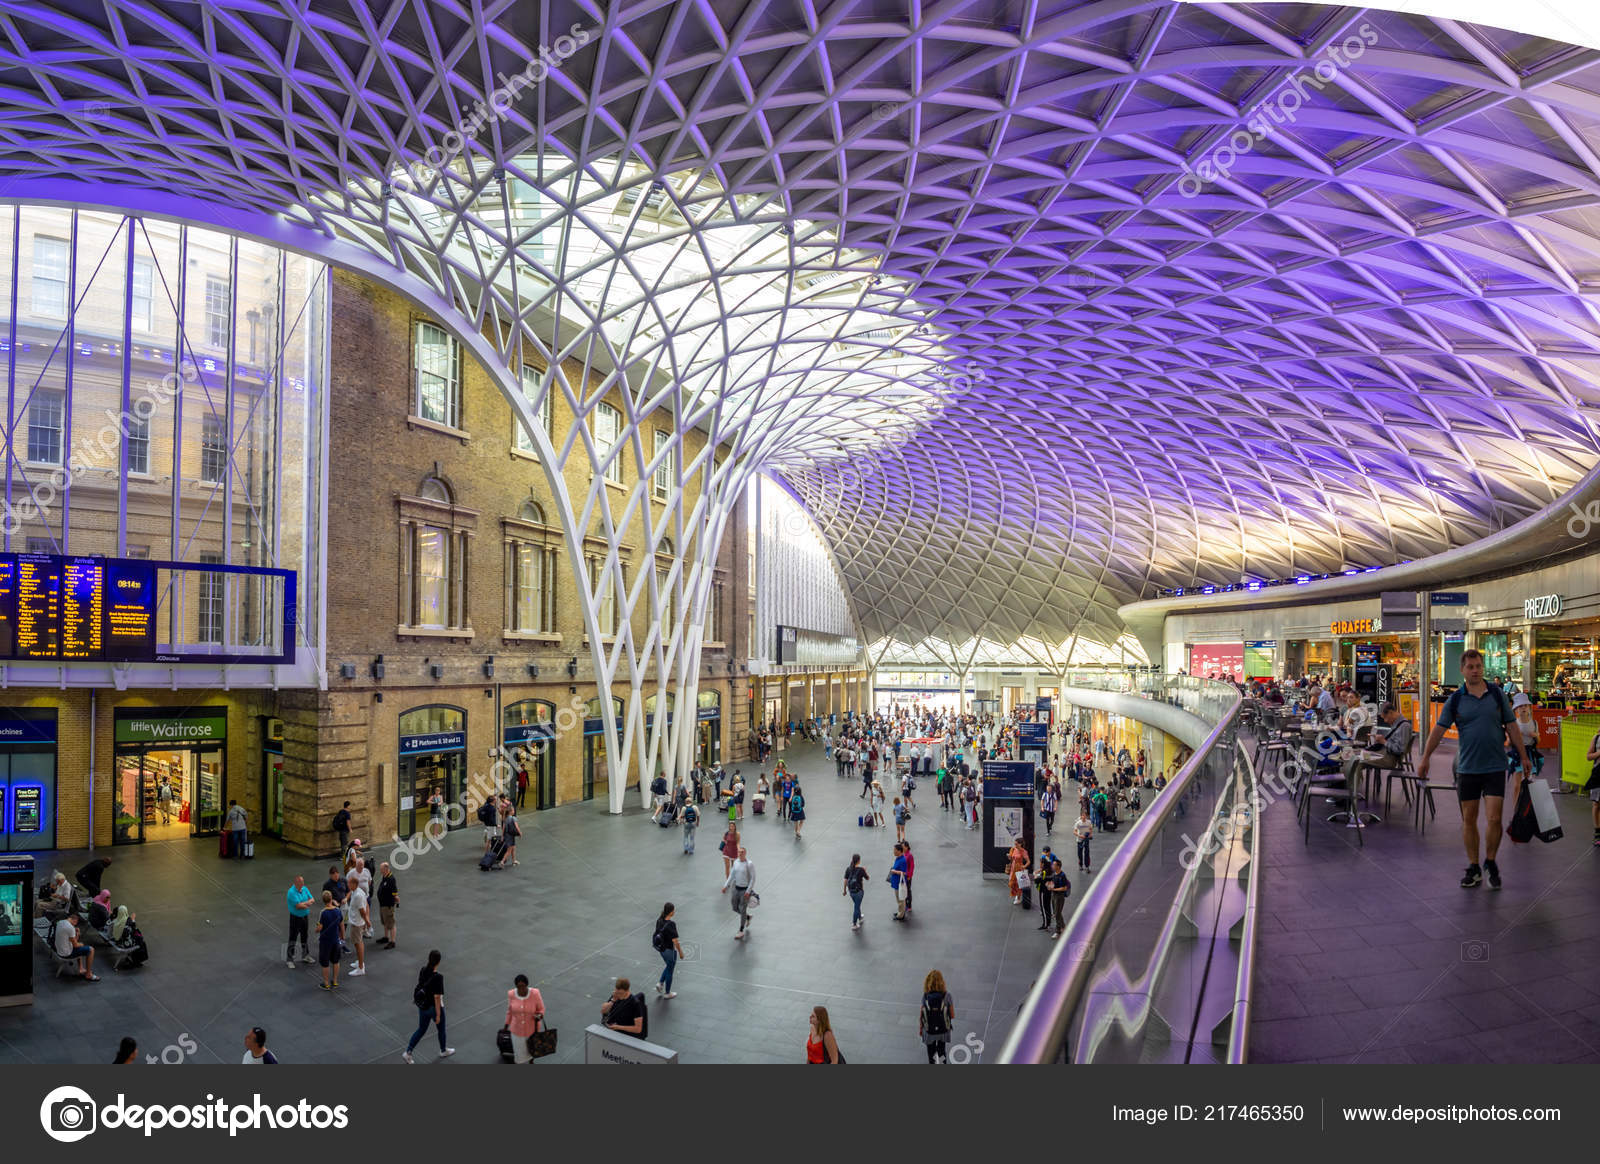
x: 544, y: 413
x: 531, y: 511
x: 607, y: 435
x: 435, y: 536
x: 531, y: 568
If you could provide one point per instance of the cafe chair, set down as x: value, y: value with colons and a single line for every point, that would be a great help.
x: 1425, y: 793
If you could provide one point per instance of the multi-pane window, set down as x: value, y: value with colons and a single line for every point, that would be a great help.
x: 607, y: 435
x: 601, y: 584
x: 216, y: 311
x: 50, y: 273
x: 543, y: 413
x: 138, y: 443
x: 213, y: 449
x: 140, y: 552
x: 142, y: 293
x: 713, y: 627
x: 662, y: 485
x: 432, y: 574
x: 211, y: 602
x: 46, y: 423
x: 533, y: 578
x: 38, y: 545
x: 433, y: 561
x: 438, y: 369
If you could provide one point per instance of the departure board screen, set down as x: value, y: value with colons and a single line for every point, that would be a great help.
x: 90, y: 609
x: 130, y: 610
x: 38, y: 607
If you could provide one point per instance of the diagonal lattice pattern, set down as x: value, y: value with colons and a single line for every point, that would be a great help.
x: 997, y: 287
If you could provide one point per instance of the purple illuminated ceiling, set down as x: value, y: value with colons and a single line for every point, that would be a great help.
x: 1362, y: 332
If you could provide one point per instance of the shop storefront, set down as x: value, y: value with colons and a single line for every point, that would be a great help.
x: 596, y: 769
x: 528, y: 735
x: 433, y: 767
x: 271, y: 776
x: 708, y: 729
x: 1217, y: 660
x: 27, y: 779
x: 169, y: 773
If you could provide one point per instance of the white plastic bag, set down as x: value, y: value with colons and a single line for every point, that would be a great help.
x: 1544, y: 811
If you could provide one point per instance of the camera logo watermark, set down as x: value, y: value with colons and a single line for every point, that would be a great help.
x: 1474, y: 950
x: 69, y: 1114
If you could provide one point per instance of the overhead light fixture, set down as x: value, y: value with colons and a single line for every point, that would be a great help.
x: 488, y: 667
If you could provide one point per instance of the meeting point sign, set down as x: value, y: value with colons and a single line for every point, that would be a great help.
x: 69, y: 1114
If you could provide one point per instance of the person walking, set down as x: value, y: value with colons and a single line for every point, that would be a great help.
x: 876, y: 804
x: 855, y: 888
x: 1083, y: 829
x: 330, y: 939
x: 1484, y: 723
x: 522, y: 785
x: 1041, y: 882
x: 524, y: 1014
x: 428, y: 997
x: 785, y: 790
x: 299, y: 899
x: 797, y: 809
x: 691, y: 821
x: 936, y: 1017
x: 388, y: 902
x: 897, y: 881
x: 742, y: 877
x: 359, y: 918
x: 1048, y: 799
x: 821, y: 1045
x: 665, y: 942
x: 911, y: 871
x: 730, y: 849
x: 1016, y: 862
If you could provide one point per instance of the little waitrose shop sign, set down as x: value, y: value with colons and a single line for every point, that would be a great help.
x: 151, y: 730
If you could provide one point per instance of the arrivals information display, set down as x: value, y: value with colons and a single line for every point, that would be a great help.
x: 55, y: 608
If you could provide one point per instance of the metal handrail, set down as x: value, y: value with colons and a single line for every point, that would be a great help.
x: 1239, y: 1036
x: 1041, y: 1027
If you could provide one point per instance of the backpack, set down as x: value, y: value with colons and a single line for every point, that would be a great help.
x: 655, y: 942
x: 797, y: 803
x: 421, y: 997
x: 935, y: 1021
x: 486, y: 812
x: 658, y: 786
x: 690, y: 816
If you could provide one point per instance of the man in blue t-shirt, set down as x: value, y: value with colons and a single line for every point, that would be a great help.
x: 299, y: 901
x: 1481, y: 714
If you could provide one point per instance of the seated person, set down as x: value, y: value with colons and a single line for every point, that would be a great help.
x: 60, y: 894
x: 67, y: 945
x: 1396, y: 742
x: 125, y: 933
x: 100, y: 910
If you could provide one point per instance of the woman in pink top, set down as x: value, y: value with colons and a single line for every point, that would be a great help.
x: 524, y: 1013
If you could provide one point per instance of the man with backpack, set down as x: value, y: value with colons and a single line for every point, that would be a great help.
x: 1484, y: 722
x: 341, y: 825
x: 691, y: 821
x: 489, y: 815
x: 658, y: 790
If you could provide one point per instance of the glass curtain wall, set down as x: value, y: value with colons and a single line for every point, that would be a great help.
x: 163, y: 399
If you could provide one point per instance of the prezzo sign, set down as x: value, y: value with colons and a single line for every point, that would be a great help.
x: 1544, y: 606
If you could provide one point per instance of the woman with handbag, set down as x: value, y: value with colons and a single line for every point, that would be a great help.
x: 821, y: 1046
x: 1018, y: 864
x: 524, y: 1013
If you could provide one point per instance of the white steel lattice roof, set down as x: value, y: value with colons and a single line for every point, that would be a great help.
x: 1038, y: 306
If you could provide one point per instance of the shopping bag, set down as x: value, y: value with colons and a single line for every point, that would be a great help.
x: 1524, y: 824
x: 542, y: 1042
x: 1024, y: 880
x: 1547, y: 819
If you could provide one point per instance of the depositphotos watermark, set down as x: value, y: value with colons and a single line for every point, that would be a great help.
x: 69, y: 1114
x: 494, y: 107
x: 1280, y: 108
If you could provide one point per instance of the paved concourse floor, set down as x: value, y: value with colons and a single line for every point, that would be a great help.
x: 577, y: 913
x: 1375, y: 954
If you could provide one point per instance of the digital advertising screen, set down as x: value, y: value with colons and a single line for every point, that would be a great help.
x: 11, y: 914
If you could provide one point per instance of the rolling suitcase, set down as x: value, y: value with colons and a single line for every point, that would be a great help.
x: 503, y: 1041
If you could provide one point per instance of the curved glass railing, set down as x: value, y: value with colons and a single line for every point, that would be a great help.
x: 1155, y: 965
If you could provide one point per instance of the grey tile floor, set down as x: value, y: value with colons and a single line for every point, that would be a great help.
x: 577, y: 913
x: 1375, y: 954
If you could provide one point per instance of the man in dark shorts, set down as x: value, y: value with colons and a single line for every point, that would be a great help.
x: 1482, y: 716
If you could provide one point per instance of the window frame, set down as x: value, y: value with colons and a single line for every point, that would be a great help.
x: 451, y: 379
x: 604, y: 449
x: 40, y: 398
x: 51, y: 279
x: 218, y: 316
